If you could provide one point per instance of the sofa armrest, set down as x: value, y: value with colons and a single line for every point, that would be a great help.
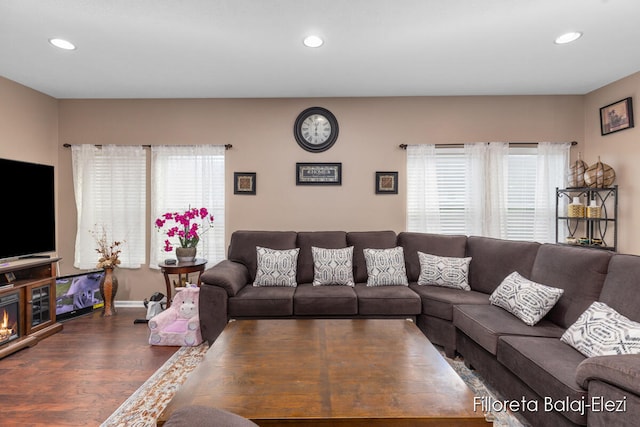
x: 229, y: 275
x: 622, y: 371
x: 162, y: 319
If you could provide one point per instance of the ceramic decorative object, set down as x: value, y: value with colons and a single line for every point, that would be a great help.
x: 593, y: 210
x: 108, y: 290
x: 186, y: 254
x: 575, y: 208
x: 576, y: 173
x: 599, y: 175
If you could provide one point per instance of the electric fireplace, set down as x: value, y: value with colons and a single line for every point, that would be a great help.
x: 9, y: 318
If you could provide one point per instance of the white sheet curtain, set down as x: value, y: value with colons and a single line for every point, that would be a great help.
x: 480, y: 189
x: 184, y: 177
x: 110, y: 192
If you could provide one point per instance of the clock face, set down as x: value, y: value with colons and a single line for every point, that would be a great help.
x: 316, y: 129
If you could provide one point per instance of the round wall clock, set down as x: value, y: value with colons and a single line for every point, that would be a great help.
x: 316, y: 129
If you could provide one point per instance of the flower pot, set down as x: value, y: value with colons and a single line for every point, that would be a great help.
x: 108, y: 290
x: 186, y: 254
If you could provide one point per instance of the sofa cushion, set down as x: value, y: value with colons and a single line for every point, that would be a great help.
x: 495, y: 259
x: 385, y: 267
x: 276, y: 267
x: 485, y: 324
x: 548, y: 367
x: 321, y: 239
x: 449, y: 272
x: 197, y: 415
x: 254, y: 301
x: 602, y: 331
x: 242, y: 247
x: 387, y: 300
x: 435, y: 244
x: 361, y: 240
x: 324, y: 300
x: 332, y: 266
x: 527, y: 300
x: 579, y: 271
x: 620, y: 289
x: 438, y: 301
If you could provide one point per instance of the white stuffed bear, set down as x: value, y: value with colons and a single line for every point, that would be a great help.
x: 179, y: 325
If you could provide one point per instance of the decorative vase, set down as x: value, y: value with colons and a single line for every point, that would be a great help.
x: 186, y: 254
x: 599, y: 175
x: 108, y: 290
x: 576, y: 173
x: 575, y: 208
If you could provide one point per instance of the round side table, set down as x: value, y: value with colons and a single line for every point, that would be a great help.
x: 180, y: 268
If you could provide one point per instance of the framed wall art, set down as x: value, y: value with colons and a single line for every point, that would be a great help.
x: 318, y: 173
x: 386, y: 182
x: 616, y: 117
x: 244, y: 183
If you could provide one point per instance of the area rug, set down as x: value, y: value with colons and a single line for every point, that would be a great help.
x: 143, y: 407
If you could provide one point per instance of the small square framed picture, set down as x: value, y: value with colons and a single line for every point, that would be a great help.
x: 386, y: 182
x: 244, y: 183
x: 616, y: 117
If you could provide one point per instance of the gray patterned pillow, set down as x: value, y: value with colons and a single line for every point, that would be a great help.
x: 276, y: 267
x: 332, y: 266
x: 602, y: 331
x: 385, y: 267
x: 527, y: 300
x: 444, y: 271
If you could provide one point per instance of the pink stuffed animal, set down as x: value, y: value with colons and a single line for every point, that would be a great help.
x: 179, y: 325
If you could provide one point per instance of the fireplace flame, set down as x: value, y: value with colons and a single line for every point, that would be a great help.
x: 5, y: 330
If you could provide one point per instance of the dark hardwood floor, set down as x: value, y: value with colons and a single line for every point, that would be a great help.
x: 80, y: 375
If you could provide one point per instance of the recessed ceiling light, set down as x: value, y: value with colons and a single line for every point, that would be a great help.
x: 568, y: 37
x: 313, y: 41
x: 62, y: 44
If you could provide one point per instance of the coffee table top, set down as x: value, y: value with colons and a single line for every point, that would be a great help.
x: 351, y: 371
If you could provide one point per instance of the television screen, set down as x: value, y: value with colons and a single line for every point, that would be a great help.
x: 78, y: 294
x: 28, y: 209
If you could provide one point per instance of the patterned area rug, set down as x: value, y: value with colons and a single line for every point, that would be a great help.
x: 143, y: 407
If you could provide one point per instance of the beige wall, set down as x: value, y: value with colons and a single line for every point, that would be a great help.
x: 261, y: 131
x: 34, y: 127
x: 620, y: 150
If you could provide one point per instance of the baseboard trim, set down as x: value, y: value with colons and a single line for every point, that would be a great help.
x: 128, y: 304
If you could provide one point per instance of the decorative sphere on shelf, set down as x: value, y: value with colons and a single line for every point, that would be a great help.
x: 599, y: 175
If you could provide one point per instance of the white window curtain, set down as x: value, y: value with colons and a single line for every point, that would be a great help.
x: 110, y: 192
x: 184, y: 177
x: 485, y: 189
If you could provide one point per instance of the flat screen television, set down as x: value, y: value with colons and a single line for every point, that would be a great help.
x: 78, y: 294
x: 28, y: 209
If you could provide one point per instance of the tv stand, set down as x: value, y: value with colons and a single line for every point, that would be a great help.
x: 35, y: 257
x: 33, y: 281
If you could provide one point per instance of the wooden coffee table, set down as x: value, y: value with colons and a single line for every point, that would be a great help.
x: 326, y: 372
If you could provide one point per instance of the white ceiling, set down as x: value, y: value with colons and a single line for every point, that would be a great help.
x: 253, y: 48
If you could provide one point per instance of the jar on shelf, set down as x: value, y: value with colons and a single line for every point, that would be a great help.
x: 575, y: 208
x: 593, y: 210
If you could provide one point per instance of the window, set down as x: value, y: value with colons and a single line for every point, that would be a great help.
x: 110, y: 192
x: 184, y: 177
x: 492, y: 189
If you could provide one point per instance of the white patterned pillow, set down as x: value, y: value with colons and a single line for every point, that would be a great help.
x: 602, y: 331
x: 527, y: 300
x: 276, y: 267
x: 332, y: 266
x: 385, y: 267
x: 444, y: 271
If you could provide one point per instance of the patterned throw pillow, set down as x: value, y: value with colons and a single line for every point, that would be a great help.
x: 276, y: 267
x: 602, y: 331
x: 332, y: 266
x: 527, y: 300
x: 444, y: 271
x: 385, y: 267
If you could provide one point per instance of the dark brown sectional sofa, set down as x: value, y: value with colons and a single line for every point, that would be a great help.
x: 545, y: 380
